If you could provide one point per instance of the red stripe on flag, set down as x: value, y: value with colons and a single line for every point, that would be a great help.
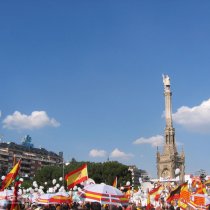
x: 75, y: 171
x: 77, y: 182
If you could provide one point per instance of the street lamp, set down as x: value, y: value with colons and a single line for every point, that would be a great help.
x: 131, y: 169
x: 67, y: 163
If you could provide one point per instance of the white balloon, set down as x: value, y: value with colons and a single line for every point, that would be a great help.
x: 177, y: 171
x: 21, y: 179
x: 54, y: 181
x: 3, y: 177
x: 61, y: 179
x: 128, y: 183
x: 40, y: 191
x: 45, y: 183
x: 31, y: 191
x: 62, y: 189
x: 19, y: 192
x: 89, y: 181
x: 50, y: 190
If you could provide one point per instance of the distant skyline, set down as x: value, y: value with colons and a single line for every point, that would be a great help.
x: 85, y: 78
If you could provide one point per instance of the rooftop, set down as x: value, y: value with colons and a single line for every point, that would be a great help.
x: 40, y: 151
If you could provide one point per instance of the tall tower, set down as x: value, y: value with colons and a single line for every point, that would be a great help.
x: 169, y: 161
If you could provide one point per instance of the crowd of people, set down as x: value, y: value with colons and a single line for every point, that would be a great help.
x: 159, y: 195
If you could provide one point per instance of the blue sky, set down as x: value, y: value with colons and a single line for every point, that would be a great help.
x: 85, y: 77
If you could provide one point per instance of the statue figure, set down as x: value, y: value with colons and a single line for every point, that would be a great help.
x: 166, y: 80
x: 26, y: 142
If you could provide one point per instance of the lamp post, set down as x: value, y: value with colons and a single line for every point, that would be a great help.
x: 131, y: 169
x: 132, y: 176
x: 67, y: 163
x: 63, y: 173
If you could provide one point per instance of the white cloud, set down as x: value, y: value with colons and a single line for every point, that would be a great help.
x: 116, y: 153
x: 195, y: 118
x: 37, y: 119
x: 154, y: 141
x: 97, y: 153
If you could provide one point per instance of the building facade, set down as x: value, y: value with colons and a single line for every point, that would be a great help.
x: 32, y: 159
x: 170, y: 164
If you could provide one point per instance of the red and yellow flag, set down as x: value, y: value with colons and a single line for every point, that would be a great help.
x: 155, y: 190
x: 77, y: 176
x: 185, y: 193
x: 175, y: 194
x: 15, y: 205
x: 153, y: 194
x: 115, y: 182
x: 200, y: 201
x: 10, y: 176
x: 201, y: 189
x: 182, y: 204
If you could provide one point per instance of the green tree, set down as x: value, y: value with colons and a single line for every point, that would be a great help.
x: 47, y: 174
x: 99, y: 172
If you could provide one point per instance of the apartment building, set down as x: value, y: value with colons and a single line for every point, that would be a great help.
x: 32, y: 158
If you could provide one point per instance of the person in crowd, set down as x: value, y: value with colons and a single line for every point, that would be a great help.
x: 87, y: 205
x: 95, y: 206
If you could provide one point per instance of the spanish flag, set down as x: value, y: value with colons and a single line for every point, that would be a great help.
x: 185, y: 193
x: 201, y: 189
x: 77, y: 176
x: 15, y: 204
x: 10, y: 176
x: 175, y: 194
x: 155, y: 190
x: 152, y: 195
x: 115, y: 182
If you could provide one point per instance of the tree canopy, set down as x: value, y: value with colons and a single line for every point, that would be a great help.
x: 100, y: 172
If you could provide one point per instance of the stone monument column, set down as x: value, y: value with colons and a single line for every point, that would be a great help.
x: 168, y: 103
x: 169, y: 160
